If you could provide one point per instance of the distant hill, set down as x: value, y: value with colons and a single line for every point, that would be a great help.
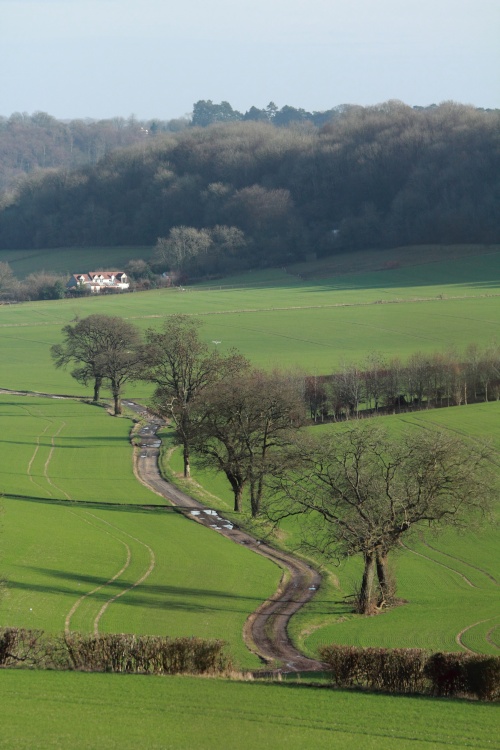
x: 246, y: 193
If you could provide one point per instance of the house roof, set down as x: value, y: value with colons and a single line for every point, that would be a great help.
x: 99, y: 277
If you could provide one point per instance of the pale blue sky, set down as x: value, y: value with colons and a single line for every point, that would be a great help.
x: 155, y: 58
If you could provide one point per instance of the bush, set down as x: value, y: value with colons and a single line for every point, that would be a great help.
x: 413, y: 671
x: 483, y: 678
x: 447, y: 673
x: 145, y: 654
x: 23, y: 648
x: 112, y: 652
x: 390, y: 670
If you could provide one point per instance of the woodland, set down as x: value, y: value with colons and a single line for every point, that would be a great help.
x: 227, y: 191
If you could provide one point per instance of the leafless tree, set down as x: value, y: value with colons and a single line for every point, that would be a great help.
x: 104, y: 348
x: 182, y: 367
x: 245, y: 423
x: 360, y: 492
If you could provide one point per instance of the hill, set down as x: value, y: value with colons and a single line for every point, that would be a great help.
x: 248, y: 194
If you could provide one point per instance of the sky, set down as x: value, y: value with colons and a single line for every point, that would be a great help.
x: 156, y: 58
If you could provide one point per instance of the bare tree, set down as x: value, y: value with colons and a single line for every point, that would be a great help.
x: 360, y: 492
x: 244, y: 424
x: 104, y: 348
x: 182, y: 367
x: 183, y: 245
x: 8, y: 281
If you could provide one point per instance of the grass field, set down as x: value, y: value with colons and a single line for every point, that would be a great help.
x: 451, y: 582
x: 78, y: 550
x: 73, y: 558
x: 313, y: 325
x: 185, y: 713
x: 68, y: 260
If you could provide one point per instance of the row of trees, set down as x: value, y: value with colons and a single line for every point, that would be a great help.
x: 425, y: 380
x: 206, y: 112
x: 356, y: 492
x: 371, y: 177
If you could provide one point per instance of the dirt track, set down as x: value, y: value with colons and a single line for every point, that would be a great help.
x: 265, y: 631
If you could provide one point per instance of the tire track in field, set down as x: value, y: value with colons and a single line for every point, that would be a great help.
x: 448, y: 567
x: 458, y: 637
x: 458, y: 559
x: 47, y: 462
x: 67, y: 621
x: 152, y: 558
x: 30, y: 464
x: 126, y: 589
x: 417, y: 421
x: 152, y: 564
x: 489, y: 636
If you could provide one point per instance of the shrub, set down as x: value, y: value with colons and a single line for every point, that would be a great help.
x: 413, y: 671
x: 483, y: 677
x: 447, y: 673
x: 145, y: 654
x: 20, y: 647
x: 112, y: 652
x: 390, y: 670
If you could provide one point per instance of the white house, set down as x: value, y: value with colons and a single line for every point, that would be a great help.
x: 99, y: 281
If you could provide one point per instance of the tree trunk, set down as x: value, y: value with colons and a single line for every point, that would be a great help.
x: 97, y: 388
x: 256, y: 496
x: 383, y: 579
x: 366, y: 592
x: 187, y: 464
x: 238, y: 493
x: 115, y: 390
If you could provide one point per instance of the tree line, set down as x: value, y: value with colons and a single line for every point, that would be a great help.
x: 425, y: 380
x: 37, y: 142
x: 358, y: 491
x: 247, y: 193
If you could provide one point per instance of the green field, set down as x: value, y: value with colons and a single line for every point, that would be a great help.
x: 78, y: 539
x: 451, y: 582
x: 184, y: 713
x: 78, y: 549
x: 68, y: 260
x: 313, y: 325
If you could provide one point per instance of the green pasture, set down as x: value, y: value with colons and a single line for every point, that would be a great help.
x: 450, y: 582
x: 85, y: 711
x: 78, y: 538
x: 89, y: 453
x: 312, y: 325
x: 68, y: 260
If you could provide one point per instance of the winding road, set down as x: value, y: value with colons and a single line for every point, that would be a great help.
x: 265, y: 631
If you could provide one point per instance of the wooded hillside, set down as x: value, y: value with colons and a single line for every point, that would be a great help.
x: 377, y: 176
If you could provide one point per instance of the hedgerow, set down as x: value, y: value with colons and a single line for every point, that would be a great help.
x: 413, y: 671
x: 110, y: 652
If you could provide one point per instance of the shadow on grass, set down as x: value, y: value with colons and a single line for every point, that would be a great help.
x: 166, y: 597
x: 99, y: 505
